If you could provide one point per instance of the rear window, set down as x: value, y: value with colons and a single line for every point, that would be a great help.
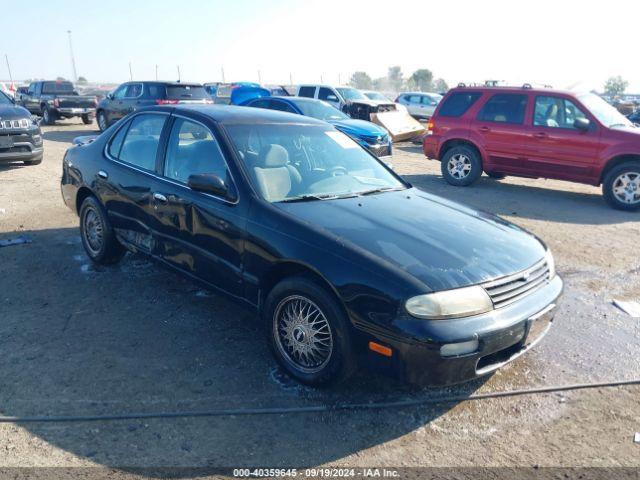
x: 224, y: 91
x: 504, y: 108
x: 308, y: 92
x: 186, y: 92
x: 458, y: 103
x: 57, y: 87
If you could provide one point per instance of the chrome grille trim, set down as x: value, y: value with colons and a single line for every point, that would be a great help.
x: 507, y: 290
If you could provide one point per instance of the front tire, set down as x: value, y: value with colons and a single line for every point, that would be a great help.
x: 102, y: 121
x: 621, y: 186
x: 309, y: 332
x: 98, y: 238
x: 87, y: 120
x: 461, y: 166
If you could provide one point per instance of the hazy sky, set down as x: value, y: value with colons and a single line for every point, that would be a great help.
x: 563, y: 43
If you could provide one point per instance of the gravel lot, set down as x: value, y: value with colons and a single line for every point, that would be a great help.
x: 77, y: 339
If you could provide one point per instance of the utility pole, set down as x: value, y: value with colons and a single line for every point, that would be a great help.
x: 222, y: 71
x: 156, y: 73
x: 130, y: 72
x: 178, y: 72
x: 321, y: 80
x: 339, y: 81
x: 73, y: 60
x: 290, y: 79
x: 8, y: 67
x: 259, y: 78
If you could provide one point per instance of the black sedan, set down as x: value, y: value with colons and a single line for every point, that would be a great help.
x: 343, y: 260
x: 20, y: 135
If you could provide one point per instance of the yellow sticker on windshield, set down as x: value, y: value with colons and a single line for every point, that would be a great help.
x: 341, y: 139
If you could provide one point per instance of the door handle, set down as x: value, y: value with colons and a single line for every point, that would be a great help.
x: 160, y: 197
x: 103, y: 174
x: 540, y: 135
x: 485, y: 129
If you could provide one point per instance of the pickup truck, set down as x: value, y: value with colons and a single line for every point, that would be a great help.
x: 53, y: 100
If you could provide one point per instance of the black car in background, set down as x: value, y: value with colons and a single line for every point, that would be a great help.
x: 20, y: 135
x: 131, y: 96
x: 56, y: 99
x: 342, y: 259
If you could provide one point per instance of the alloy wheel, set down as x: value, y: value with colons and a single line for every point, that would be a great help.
x: 459, y: 166
x: 102, y: 121
x: 626, y: 188
x: 302, y: 334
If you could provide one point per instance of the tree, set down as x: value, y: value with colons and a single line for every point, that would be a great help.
x: 394, y: 78
x: 440, y: 86
x: 422, y: 79
x: 82, y: 80
x: 361, y: 80
x: 615, y: 86
x: 381, y: 84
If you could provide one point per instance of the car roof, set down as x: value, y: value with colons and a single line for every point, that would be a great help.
x: 230, y: 114
x: 537, y: 90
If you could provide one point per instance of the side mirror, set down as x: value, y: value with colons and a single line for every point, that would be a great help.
x: 208, y: 183
x: 109, y: 96
x: 332, y: 98
x: 581, y: 124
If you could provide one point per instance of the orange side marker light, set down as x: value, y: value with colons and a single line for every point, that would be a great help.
x: 381, y: 349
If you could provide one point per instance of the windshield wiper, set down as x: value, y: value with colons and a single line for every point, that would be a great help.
x: 307, y: 198
x: 379, y: 190
x: 619, y: 125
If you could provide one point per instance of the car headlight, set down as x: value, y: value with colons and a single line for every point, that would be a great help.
x: 551, y: 263
x: 460, y: 302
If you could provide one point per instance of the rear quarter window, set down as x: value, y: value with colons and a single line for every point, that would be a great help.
x: 308, y: 92
x: 458, y: 103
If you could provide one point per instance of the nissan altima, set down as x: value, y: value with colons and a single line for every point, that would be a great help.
x: 344, y: 262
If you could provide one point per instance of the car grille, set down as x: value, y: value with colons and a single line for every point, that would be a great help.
x: 509, y: 289
x: 14, y: 124
x: 376, y: 140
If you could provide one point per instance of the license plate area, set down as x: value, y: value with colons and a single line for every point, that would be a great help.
x: 538, y: 325
x: 6, y: 142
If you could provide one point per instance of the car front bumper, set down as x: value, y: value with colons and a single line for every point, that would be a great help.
x: 503, y: 335
x: 76, y: 111
x: 16, y: 146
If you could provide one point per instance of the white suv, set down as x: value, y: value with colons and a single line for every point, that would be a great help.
x: 419, y: 104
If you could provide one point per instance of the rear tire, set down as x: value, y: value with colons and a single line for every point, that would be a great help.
x: 48, y: 118
x: 621, y: 186
x: 98, y: 238
x: 308, y: 332
x: 87, y: 120
x: 461, y: 166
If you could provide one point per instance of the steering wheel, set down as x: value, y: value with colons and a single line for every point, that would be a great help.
x: 338, y: 171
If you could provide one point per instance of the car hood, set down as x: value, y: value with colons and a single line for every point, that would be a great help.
x: 13, y: 112
x: 358, y: 127
x: 443, y: 244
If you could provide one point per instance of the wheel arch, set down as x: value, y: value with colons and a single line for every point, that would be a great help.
x: 81, y: 196
x: 456, y: 142
x: 615, y: 161
x: 287, y: 269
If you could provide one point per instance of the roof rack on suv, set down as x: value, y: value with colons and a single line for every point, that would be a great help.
x: 496, y: 84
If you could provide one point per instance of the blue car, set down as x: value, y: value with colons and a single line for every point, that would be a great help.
x: 373, y: 137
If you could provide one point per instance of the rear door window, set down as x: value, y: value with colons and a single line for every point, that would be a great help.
x: 155, y: 91
x: 134, y: 90
x: 504, y: 108
x: 140, y: 146
x: 458, y: 103
x: 308, y: 92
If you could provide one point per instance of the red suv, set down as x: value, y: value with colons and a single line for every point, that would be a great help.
x: 534, y: 133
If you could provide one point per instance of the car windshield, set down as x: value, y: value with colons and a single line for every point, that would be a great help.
x: 351, y: 94
x: 293, y: 162
x: 4, y: 100
x: 320, y: 110
x: 376, y: 96
x: 605, y: 113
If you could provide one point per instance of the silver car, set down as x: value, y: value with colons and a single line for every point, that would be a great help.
x: 419, y: 104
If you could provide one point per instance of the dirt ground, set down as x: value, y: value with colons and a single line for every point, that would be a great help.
x: 76, y: 339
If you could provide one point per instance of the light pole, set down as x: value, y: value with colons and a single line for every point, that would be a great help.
x: 6, y: 57
x: 73, y: 60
